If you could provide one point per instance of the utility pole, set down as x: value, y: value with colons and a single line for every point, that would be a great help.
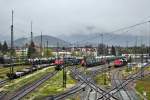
x: 12, y: 45
x: 135, y: 51
x: 97, y: 44
x: 41, y: 45
x: 47, y: 49
x: 149, y: 39
x: 22, y: 55
x: 102, y: 48
x: 127, y: 44
x: 102, y: 45
x: 57, y: 50
x: 31, y: 43
x: 127, y: 49
x: 44, y: 46
x: 103, y: 72
x: 128, y: 57
x: 31, y: 33
x: 142, y: 67
x: 64, y: 68
x: 64, y: 75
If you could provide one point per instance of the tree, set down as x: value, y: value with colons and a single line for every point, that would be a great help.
x: 107, y: 50
x: 48, y: 52
x: 5, y: 48
x: 31, y: 50
x: 113, y: 51
x: 119, y: 49
x: 130, y: 59
x: 1, y: 46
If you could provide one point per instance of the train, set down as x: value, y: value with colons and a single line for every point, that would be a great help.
x: 26, y: 71
x: 4, y: 60
x: 95, y: 61
x: 35, y: 64
x: 86, y: 62
x: 90, y: 62
x: 37, y: 61
x: 120, y: 62
x: 7, y: 62
x: 62, y: 62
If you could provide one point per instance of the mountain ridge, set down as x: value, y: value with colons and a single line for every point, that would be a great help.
x: 52, y: 41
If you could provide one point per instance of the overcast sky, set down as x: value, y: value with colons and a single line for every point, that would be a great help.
x: 56, y: 17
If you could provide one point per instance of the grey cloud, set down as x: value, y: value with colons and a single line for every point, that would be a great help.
x: 56, y: 17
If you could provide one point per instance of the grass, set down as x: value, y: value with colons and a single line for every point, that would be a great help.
x: 17, y: 83
x: 77, y: 96
x: 144, y: 85
x: 51, y: 87
x: 103, y: 80
x: 147, y: 68
x: 128, y: 71
x: 5, y: 70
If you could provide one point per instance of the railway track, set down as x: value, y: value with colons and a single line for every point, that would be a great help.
x: 27, y: 89
x: 3, y: 82
x: 122, y: 94
x: 79, y: 87
x: 124, y: 83
x: 92, y: 85
x: 91, y: 94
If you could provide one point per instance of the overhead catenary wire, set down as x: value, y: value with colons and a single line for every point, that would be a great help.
x: 112, y: 37
x: 115, y: 31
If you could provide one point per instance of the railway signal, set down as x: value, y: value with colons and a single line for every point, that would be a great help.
x: 64, y: 71
x: 64, y: 76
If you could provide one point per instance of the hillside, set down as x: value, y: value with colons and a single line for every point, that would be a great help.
x: 52, y: 41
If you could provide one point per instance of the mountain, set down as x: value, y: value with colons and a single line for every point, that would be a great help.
x: 86, y: 39
x: 108, y: 38
x: 52, y: 41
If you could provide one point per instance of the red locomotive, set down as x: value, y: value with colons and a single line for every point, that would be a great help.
x: 120, y: 62
x: 59, y: 62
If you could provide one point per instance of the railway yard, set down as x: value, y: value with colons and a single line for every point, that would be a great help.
x: 74, y: 50
x: 99, y: 82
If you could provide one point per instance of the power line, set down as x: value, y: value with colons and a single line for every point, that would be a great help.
x: 118, y: 30
x: 41, y: 44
